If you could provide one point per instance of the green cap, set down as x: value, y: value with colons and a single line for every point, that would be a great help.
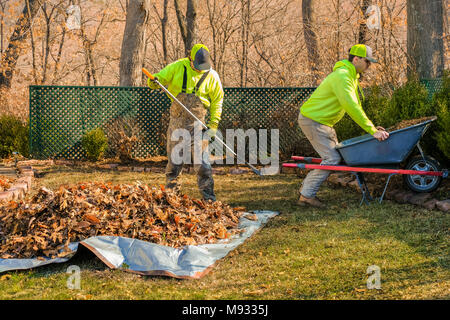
x: 361, y: 50
x: 200, y: 57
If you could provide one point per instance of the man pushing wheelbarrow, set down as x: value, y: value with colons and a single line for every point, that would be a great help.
x: 335, y: 96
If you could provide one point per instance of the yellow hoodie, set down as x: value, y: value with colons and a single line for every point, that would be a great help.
x: 336, y: 95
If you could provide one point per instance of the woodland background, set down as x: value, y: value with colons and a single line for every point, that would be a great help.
x: 268, y: 43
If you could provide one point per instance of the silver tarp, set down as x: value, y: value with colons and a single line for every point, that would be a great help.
x: 152, y: 259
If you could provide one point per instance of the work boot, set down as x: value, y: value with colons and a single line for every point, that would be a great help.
x: 314, y: 202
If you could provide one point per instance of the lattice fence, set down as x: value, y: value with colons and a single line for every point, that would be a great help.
x: 60, y: 115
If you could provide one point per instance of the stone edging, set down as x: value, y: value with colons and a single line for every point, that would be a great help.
x: 423, y: 200
x: 21, y: 186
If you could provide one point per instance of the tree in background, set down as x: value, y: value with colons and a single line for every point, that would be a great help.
x: 133, y: 44
x: 188, y: 24
x: 363, y: 34
x: 17, y: 41
x: 425, y: 38
x: 311, y: 38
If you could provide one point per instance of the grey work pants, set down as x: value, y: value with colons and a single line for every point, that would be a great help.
x: 324, y: 140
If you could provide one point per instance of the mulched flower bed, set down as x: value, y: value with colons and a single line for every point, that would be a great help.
x: 46, y: 224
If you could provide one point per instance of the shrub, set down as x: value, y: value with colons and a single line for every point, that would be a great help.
x: 407, y: 102
x: 375, y: 105
x: 95, y: 144
x: 440, y: 103
x: 124, y: 134
x: 410, y: 101
x: 14, y: 136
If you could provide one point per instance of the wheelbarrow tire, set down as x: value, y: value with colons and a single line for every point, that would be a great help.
x: 419, y: 183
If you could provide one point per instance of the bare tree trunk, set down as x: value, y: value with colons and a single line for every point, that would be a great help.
x: 132, y: 54
x: 2, y: 5
x: 17, y: 40
x: 163, y: 21
x: 245, y: 31
x: 310, y: 38
x: 58, y: 57
x: 363, y: 25
x: 46, y: 47
x: 425, y: 38
x: 188, y: 24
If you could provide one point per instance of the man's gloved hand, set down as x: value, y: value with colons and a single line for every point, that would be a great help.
x: 212, y: 130
x: 152, y: 84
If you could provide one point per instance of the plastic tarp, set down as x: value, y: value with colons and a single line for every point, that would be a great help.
x: 152, y: 259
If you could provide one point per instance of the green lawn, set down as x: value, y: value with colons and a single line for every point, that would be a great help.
x: 303, y: 253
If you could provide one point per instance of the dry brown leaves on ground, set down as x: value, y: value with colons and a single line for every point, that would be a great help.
x: 45, y: 225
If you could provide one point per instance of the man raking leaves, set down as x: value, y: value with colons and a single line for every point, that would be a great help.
x: 193, y: 87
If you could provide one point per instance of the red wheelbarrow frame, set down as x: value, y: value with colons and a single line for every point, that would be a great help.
x: 358, y: 171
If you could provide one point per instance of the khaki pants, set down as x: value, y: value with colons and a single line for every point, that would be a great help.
x: 181, y: 119
x: 324, y: 140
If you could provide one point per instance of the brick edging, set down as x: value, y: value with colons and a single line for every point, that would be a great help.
x: 21, y: 186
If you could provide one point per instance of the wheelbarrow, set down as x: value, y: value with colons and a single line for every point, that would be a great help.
x: 365, y: 154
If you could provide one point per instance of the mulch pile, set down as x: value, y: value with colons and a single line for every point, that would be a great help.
x: 407, y: 123
x: 46, y: 224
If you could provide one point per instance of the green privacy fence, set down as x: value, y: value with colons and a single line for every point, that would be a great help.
x: 432, y: 85
x: 60, y: 115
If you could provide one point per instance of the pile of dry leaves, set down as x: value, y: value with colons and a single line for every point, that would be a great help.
x: 46, y: 225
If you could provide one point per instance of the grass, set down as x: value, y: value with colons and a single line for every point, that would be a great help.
x: 303, y: 253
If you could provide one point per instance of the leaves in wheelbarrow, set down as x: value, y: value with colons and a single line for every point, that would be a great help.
x: 46, y: 224
x: 407, y: 123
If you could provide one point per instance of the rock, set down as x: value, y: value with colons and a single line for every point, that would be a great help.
x: 333, y: 178
x: 240, y: 171
x: 443, y: 205
x: 390, y: 194
x: 403, y: 197
x: 29, y: 173
x: 26, y: 179
x: 110, y: 166
x: 22, y: 168
x: 6, y: 196
x: 18, y: 193
x: 419, y: 198
x: 430, y: 205
x: 21, y: 185
x: 345, y: 180
x: 354, y: 185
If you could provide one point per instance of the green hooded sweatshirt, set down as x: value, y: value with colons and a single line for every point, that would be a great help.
x: 210, y: 92
x: 336, y: 95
